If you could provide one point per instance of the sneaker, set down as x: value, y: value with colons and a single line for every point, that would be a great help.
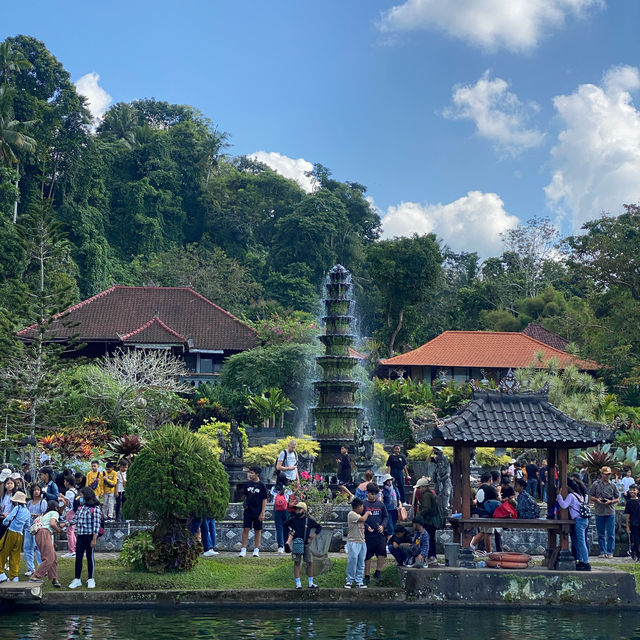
x: 366, y: 580
x: 298, y: 586
x: 377, y: 576
x: 3, y: 577
x: 67, y: 555
x: 75, y: 583
x: 28, y: 573
x: 610, y: 556
x: 91, y: 583
x: 16, y: 579
x: 243, y: 553
x: 256, y: 553
x: 362, y: 586
x: 280, y: 549
x: 210, y: 553
x: 56, y: 584
x: 347, y: 586
x: 313, y: 586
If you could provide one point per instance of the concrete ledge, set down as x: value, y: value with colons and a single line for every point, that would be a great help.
x: 527, y: 586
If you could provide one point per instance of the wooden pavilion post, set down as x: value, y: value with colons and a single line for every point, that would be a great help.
x: 456, y: 475
x: 551, y: 494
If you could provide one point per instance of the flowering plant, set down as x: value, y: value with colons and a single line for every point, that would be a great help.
x: 317, y: 496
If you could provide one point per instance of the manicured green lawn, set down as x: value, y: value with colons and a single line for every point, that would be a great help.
x: 213, y: 573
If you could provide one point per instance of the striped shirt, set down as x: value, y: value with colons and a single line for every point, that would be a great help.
x: 87, y: 521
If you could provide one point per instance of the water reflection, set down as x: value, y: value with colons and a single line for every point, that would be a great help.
x: 369, y: 623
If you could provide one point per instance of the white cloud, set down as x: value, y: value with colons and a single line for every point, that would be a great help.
x: 293, y: 168
x: 596, y: 161
x: 497, y: 113
x: 98, y: 99
x: 471, y: 223
x: 517, y: 25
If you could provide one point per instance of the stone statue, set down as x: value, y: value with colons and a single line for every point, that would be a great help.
x: 224, y: 445
x: 236, y: 447
x: 364, y: 442
x: 442, y: 480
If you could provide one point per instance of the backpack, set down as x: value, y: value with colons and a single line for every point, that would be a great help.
x: 528, y: 509
x: 584, y: 509
x: 505, y: 510
x: 490, y: 507
x: 101, y: 529
x: 284, y: 459
x: 36, y: 526
x: 281, y: 502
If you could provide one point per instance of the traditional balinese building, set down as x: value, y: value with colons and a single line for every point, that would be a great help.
x: 538, y: 332
x: 466, y: 355
x: 178, y: 319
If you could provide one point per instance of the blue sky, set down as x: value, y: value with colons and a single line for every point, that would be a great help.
x: 461, y: 117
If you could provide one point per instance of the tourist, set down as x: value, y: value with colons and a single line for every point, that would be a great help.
x: 94, y: 479
x: 507, y: 508
x: 280, y: 515
x: 26, y: 473
x: 428, y: 509
x: 121, y: 486
x: 543, y: 475
x: 374, y: 532
x: 361, y: 489
x: 401, y: 536
x: 69, y: 499
x: 302, y: 530
x: 356, y: 546
x: 391, y: 499
x: 487, y: 501
x: 532, y: 478
x: 526, y: 505
x: 605, y: 497
x: 517, y: 471
x: 627, y: 481
x: 11, y: 543
x: 505, y: 477
x: 49, y: 487
x: 18, y: 482
x: 397, y: 468
x: 417, y: 552
x: 81, y: 480
x: 44, y: 538
x: 344, y: 466
x: 255, y: 505
x: 37, y: 506
x: 8, y: 490
x: 632, y: 511
x: 287, y: 465
x: 573, y: 497
x: 87, y: 522
x: 109, y: 482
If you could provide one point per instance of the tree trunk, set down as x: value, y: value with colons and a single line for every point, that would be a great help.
x: 395, y: 332
x: 15, y: 202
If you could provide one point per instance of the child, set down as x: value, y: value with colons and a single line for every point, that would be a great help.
x: 68, y: 500
x: 356, y: 546
x: 401, y: 536
x: 37, y: 507
x: 120, y: 488
x: 87, y: 523
x: 391, y: 499
x: 47, y: 481
x: 255, y: 505
x: 301, y: 526
x: 12, y: 540
x: 109, y: 482
x: 418, y: 552
x: 94, y: 479
x: 44, y: 537
x: 280, y: 516
x: 8, y: 489
x: 632, y: 509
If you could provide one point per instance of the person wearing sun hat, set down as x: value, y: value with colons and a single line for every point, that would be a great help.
x: 11, y: 543
x: 604, y: 494
x: 301, y: 525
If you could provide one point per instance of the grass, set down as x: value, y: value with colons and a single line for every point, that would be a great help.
x: 212, y: 573
x: 628, y: 567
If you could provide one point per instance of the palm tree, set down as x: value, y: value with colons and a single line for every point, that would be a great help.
x: 12, y: 140
x: 120, y: 124
x: 11, y: 62
x: 270, y: 405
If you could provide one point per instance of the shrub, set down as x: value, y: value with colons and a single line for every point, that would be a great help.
x: 175, y: 549
x: 135, y: 548
x: 486, y: 457
x: 266, y: 455
x: 380, y: 456
x: 423, y: 451
x: 210, y: 430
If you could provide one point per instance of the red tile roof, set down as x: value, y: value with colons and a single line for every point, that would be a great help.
x: 168, y: 315
x: 538, y: 332
x: 490, y: 349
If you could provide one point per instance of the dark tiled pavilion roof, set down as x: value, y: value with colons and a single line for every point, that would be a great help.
x: 163, y: 315
x: 536, y: 331
x: 494, y: 418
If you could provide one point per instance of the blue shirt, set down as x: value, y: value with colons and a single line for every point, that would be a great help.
x: 18, y: 518
x: 423, y: 539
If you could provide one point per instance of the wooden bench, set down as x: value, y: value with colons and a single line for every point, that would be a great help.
x: 463, y: 528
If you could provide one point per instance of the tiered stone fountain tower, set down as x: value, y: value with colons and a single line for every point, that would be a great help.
x: 337, y: 416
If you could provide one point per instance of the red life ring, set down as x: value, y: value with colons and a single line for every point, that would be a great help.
x: 505, y: 564
x: 510, y: 557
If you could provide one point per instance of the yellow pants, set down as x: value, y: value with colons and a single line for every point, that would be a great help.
x: 10, y: 547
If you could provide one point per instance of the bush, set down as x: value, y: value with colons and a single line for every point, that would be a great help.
x: 380, y: 456
x: 486, y: 457
x: 175, y: 549
x: 135, y: 548
x: 210, y: 430
x: 422, y: 452
x: 266, y: 455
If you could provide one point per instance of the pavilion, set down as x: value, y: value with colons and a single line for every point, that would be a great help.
x: 508, y: 417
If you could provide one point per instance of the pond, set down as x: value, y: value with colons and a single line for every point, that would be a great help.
x: 367, y: 623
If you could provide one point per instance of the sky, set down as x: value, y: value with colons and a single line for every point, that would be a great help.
x: 461, y: 117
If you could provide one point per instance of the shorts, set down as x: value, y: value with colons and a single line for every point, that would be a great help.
x: 376, y: 546
x: 250, y: 521
x: 303, y: 557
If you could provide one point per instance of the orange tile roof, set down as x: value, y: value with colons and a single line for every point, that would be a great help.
x: 490, y: 349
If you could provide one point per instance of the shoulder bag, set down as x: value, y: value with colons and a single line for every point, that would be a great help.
x: 297, y: 544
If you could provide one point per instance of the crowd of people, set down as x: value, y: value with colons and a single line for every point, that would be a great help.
x: 35, y: 506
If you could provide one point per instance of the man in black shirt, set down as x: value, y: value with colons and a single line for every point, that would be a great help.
x: 397, y: 467
x: 486, y: 494
x: 532, y: 479
x: 255, y: 504
x: 344, y: 466
x: 374, y: 532
x: 632, y: 509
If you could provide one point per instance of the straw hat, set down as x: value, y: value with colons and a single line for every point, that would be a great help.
x: 422, y: 482
x: 19, y: 497
x: 301, y: 505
